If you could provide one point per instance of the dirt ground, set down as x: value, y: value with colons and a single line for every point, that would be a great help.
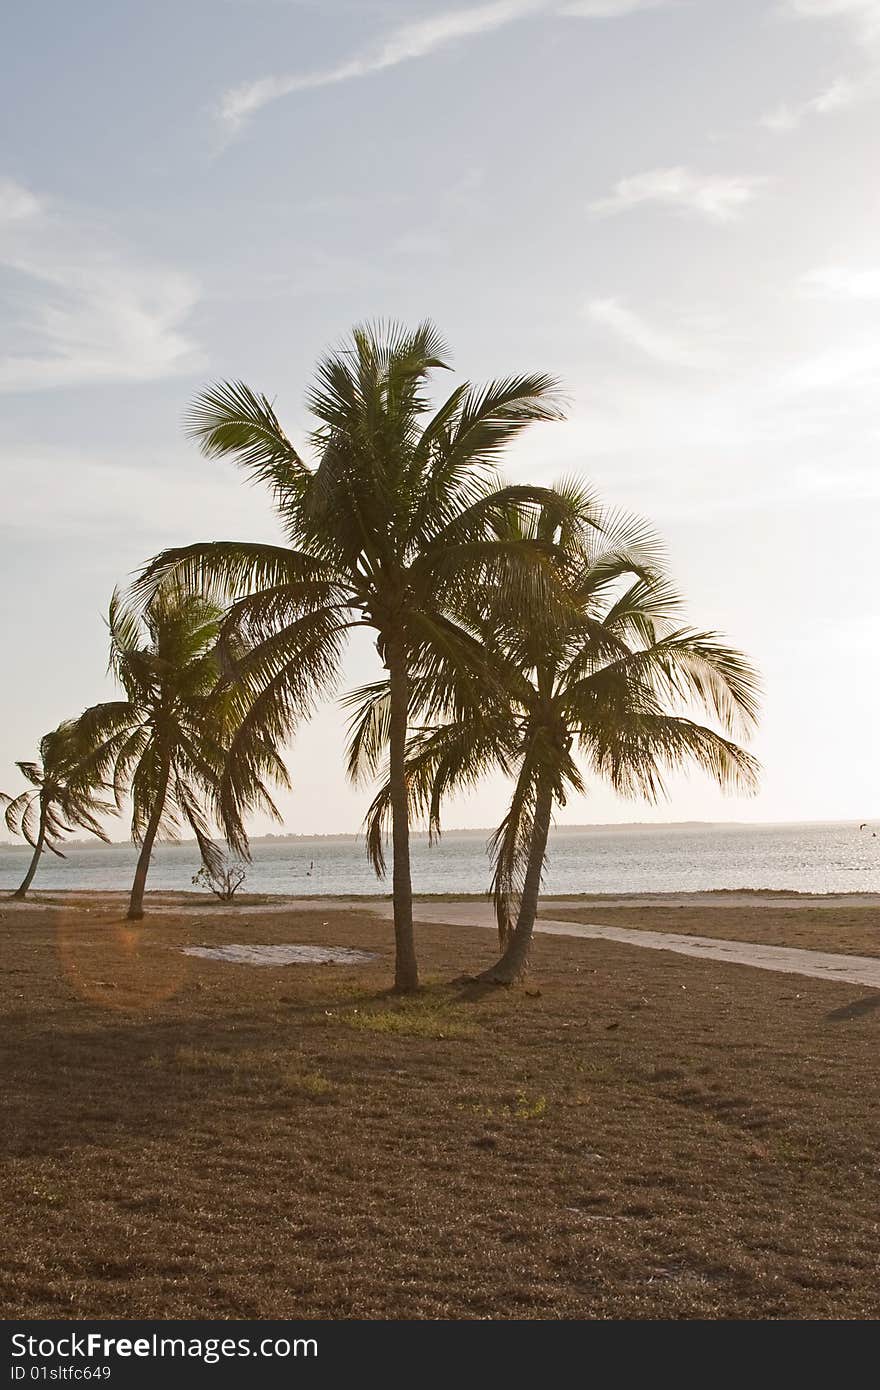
x: 633, y: 1134
x: 848, y: 924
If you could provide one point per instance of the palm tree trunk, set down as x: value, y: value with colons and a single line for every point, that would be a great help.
x: 136, y: 901
x: 514, y: 961
x: 406, y: 970
x: 38, y: 850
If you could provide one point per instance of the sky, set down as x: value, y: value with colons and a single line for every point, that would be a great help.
x: 674, y: 206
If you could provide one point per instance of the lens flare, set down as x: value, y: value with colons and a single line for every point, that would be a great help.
x: 116, y: 964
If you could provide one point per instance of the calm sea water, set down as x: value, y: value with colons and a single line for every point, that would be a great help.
x: 808, y: 858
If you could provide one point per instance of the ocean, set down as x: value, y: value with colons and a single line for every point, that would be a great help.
x: 836, y: 858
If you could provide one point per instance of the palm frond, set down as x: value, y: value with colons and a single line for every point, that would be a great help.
x: 228, y: 418
x: 228, y: 570
x: 510, y: 847
x: 637, y: 753
x: 368, y: 729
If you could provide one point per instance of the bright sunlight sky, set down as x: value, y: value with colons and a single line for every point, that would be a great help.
x: 674, y: 206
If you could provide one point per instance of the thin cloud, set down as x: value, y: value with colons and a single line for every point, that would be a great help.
x: 407, y: 42
x: 611, y: 9
x: 842, y: 93
x: 403, y: 44
x: 17, y: 203
x: 863, y: 15
x: 715, y: 197
x: 657, y: 343
x: 84, y: 311
x: 842, y: 283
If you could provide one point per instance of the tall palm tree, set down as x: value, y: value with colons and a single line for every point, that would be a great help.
x: 63, y: 796
x: 164, y: 744
x: 615, y: 679
x: 397, y: 525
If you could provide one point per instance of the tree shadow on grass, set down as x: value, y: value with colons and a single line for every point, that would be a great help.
x: 105, y: 1081
x: 470, y: 989
x: 856, y: 1009
x: 80, y: 1086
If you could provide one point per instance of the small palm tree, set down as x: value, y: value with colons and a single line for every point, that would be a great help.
x: 164, y: 744
x: 63, y: 797
x: 397, y: 526
x: 614, y: 678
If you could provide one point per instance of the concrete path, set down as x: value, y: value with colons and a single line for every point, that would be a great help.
x: 820, y: 965
x: 787, y: 960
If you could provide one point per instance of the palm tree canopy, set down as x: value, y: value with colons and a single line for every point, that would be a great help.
x: 166, y: 741
x: 399, y: 524
x: 62, y: 795
x: 612, y: 686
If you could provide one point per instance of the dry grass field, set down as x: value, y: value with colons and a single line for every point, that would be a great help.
x: 634, y: 1134
x: 847, y: 923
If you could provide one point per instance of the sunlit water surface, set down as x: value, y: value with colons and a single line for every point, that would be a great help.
x: 835, y: 858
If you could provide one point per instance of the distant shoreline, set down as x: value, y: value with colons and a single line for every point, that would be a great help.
x: 471, y: 832
x: 164, y: 898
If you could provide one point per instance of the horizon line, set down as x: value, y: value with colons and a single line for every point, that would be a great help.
x: 475, y: 830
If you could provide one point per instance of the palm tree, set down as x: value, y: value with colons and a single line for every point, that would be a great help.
x: 615, y: 678
x: 164, y: 743
x: 397, y: 526
x: 63, y: 796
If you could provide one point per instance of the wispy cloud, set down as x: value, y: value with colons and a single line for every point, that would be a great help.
x: 659, y: 344
x: 611, y: 9
x: 862, y: 18
x: 81, y: 309
x: 415, y: 39
x: 403, y: 44
x: 842, y: 283
x: 17, y: 203
x: 863, y: 15
x: 716, y: 197
x: 842, y: 93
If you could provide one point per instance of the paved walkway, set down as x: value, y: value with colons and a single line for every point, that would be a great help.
x: 788, y: 960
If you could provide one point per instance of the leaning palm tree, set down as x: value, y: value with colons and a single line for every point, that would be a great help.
x: 396, y: 526
x: 63, y: 795
x: 164, y: 744
x: 616, y: 679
